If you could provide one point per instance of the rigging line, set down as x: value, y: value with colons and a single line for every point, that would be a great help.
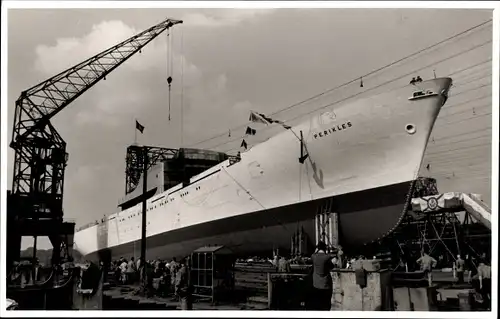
x: 459, y: 155
x: 248, y: 193
x: 473, y: 170
x: 472, y: 118
x: 463, y: 141
x: 472, y: 109
x: 468, y: 101
x: 471, y: 74
x: 461, y: 148
x: 462, y: 163
x: 386, y: 66
x: 470, y: 67
x: 300, y: 182
x: 393, y: 80
x: 373, y: 88
x: 354, y: 80
x: 309, y: 183
x: 370, y: 89
x: 485, y: 157
x: 473, y: 80
x: 459, y: 158
x: 465, y: 133
x: 241, y: 186
x: 469, y: 90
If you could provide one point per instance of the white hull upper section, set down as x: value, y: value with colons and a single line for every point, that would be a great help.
x: 366, y: 144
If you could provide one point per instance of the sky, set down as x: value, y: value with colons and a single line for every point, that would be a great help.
x: 226, y: 62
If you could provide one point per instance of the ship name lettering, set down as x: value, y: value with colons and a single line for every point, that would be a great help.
x: 331, y: 130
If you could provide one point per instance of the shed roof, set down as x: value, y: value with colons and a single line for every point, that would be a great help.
x: 216, y: 249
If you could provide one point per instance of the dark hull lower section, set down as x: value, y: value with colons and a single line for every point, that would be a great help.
x: 364, y: 217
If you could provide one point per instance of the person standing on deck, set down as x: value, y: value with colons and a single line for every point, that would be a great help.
x: 322, y: 279
x: 427, y: 263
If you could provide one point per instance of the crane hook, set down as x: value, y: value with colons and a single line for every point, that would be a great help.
x: 169, y: 80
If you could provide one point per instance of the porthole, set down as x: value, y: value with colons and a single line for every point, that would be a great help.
x: 410, y: 128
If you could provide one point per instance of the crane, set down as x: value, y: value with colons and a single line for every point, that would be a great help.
x: 36, y: 199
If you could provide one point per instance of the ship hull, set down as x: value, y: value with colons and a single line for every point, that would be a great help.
x: 365, y: 217
x: 372, y: 146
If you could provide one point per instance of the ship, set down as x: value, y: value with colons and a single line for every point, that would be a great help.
x: 360, y: 159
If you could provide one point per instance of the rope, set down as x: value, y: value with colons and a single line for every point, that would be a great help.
x: 248, y: 192
x: 167, y: 45
x: 300, y: 182
x: 243, y: 188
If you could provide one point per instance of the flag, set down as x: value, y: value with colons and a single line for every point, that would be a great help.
x: 244, y: 144
x: 261, y: 118
x: 139, y: 127
x: 250, y: 131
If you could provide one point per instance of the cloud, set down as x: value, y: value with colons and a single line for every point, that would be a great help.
x: 129, y: 88
x: 221, y: 18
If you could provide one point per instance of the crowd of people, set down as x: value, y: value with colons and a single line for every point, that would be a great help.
x: 174, y: 277
x: 478, y: 273
x: 171, y: 277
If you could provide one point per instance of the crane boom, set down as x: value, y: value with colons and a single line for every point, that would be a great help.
x: 40, y: 152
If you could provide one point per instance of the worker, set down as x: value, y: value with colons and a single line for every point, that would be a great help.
x: 322, y: 279
x: 413, y: 80
x: 340, y: 256
x: 131, y: 270
x: 183, y: 286
x: 276, y: 261
x: 15, y: 274
x: 138, y: 264
x: 173, y: 272
x: 419, y: 79
x: 460, y: 267
x: 284, y: 265
x: 484, y: 276
x: 427, y: 263
x: 123, y: 271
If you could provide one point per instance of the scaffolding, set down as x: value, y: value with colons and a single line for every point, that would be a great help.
x: 444, y: 224
x: 211, y: 271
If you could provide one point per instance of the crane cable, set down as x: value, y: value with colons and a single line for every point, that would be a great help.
x: 182, y: 87
x: 169, y: 68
